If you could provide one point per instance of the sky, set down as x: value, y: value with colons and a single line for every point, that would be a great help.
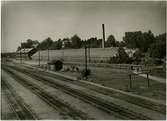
x: 22, y: 20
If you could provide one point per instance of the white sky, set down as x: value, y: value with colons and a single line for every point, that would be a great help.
x: 39, y: 20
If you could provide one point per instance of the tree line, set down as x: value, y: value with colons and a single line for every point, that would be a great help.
x: 74, y: 42
x: 145, y: 42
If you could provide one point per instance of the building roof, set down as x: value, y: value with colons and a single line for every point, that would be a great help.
x: 25, y: 50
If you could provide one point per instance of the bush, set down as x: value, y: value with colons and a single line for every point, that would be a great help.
x: 121, y: 57
x: 137, y: 56
x: 85, y: 72
x: 66, y: 69
x: 152, y: 61
x: 101, y: 61
x: 113, y: 60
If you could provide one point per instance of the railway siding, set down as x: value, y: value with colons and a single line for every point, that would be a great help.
x: 6, y: 109
x: 129, y: 107
x: 42, y: 110
x: 86, y: 108
x: 129, y: 97
x: 123, y: 104
x: 64, y: 109
x: 19, y: 107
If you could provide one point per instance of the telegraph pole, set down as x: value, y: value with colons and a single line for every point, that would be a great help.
x: 48, y: 55
x: 63, y: 45
x: 39, y: 57
x: 103, y: 36
x: 24, y: 54
x: 85, y: 58
x: 89, y: 52
x: 21, y: 53
x: 148, y: 81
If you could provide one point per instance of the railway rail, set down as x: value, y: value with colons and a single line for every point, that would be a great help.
x: 62, y: 107
x: 19, y: 108
x: 121, y: 112
x: 137, y: 101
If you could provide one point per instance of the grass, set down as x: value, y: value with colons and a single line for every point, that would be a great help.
x: 159, y: 73
x: 119, y: 79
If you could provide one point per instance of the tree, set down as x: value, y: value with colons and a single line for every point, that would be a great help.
x: 35, y: 43
x: 56, y: 45
x: 49, y: 42
x: 148, y: 39
x: 45, y: 44
x: 92, y: 42
x: 111, y: 42
x: 76, y: 42
x: 137, y: 56
x: 67, y: 43
x: 18, y: 48
x: 121, y: 44
x: 139, y: 40
x: 122, y: 55
x: 59, y: 44
x: 132, y: 39
x: 29, y: 44
x: 158, y: 48
x: 53, y: 46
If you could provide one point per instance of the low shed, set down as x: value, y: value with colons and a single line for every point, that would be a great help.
x: 55, y: 65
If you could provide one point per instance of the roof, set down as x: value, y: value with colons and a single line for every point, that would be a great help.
x: 25, y: 50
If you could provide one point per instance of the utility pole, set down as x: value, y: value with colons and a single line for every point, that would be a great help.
x: 24, y: 54
x: 48, y: 55
x: 148, y: 81
x: 103, y: 40
x: 63, y: 45
x: 21, y: 53
x: 89, y: 52
x: 85, y: 58
x: 39, y: 57
x: 130, y: 81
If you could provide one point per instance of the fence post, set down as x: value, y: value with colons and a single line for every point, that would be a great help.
x: 39, y: 57
x: 148, y: 81
x: 130, y: 83
x: 48, y: 55
x: 86, y: 61
x: 85, y: 58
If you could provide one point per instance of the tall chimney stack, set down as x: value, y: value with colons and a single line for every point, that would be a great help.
x: 103, y: 36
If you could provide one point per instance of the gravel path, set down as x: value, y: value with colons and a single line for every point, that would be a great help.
x: 6, y: 110
x: 38, y: 106
x: 158, y: 79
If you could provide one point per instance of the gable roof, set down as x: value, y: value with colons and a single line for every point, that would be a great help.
x: 25, y: 50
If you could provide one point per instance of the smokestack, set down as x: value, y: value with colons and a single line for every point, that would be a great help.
x: 103, y: 36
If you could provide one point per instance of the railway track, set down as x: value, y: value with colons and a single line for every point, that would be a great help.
x: 64, y: 108
x: 19, y: 108
x: 137, y: 101
x: 121, y: 112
